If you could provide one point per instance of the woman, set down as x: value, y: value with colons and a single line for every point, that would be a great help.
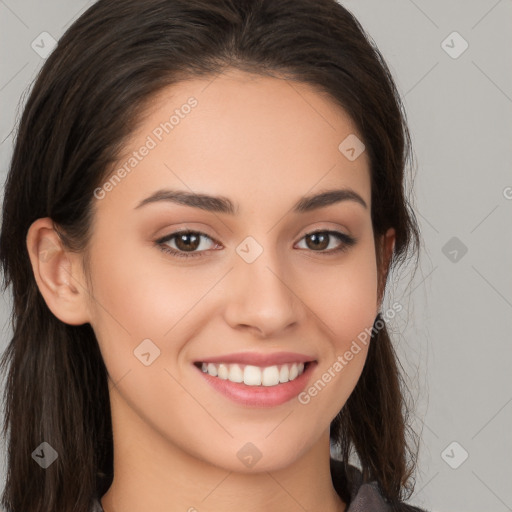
x: 203, y: 205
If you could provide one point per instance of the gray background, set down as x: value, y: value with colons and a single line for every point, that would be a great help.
x: 454, y: 334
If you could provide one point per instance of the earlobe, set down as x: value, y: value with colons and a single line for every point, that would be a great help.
x: 389, y: 246
x: 58, y: 273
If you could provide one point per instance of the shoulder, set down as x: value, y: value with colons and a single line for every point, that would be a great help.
x: 362, y: 496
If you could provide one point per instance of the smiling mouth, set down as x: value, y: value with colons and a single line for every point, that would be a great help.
x: 252, y: 375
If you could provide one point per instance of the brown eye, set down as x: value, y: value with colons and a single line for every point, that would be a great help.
x: 322, y: 241
x: 185, y: 243
x: 318, y: 241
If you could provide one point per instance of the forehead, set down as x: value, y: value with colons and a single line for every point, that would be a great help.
x: 237, y: 132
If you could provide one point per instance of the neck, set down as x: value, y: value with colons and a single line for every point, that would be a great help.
x: 151, y: 473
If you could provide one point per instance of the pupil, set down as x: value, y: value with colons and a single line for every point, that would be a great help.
x: 182, y: 240
x: 319, y: 237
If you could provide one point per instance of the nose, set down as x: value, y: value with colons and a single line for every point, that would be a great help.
x: 261, y: 297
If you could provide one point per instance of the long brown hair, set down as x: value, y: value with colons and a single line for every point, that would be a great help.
x: 83, y: 105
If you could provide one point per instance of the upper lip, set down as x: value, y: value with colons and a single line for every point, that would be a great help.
x: 256, y: 359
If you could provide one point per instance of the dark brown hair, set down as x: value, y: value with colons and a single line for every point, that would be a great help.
x: 85, y: 102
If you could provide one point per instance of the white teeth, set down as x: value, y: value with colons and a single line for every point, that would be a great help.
x: 294, y: 371
x: 212, y: 369
x: 270, y: 376
x: 284, y: 373
x: 235, y: 373
x: 254, y: 375
x: 223, y: 371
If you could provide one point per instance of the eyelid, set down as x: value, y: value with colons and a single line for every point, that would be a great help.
x: 346, y: 241
x: 163, y: 240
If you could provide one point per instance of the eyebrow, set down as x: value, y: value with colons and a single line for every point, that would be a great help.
x: 221, y: 204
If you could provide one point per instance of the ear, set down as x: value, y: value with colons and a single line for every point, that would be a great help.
x: 58, y: 273
x: 384, y: 255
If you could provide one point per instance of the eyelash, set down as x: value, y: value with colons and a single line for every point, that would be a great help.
x: 346, y: 242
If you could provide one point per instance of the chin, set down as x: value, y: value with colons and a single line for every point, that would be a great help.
x: 259, y: 456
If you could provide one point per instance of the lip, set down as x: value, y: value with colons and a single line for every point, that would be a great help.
x: 256, y: 359
x: 259, y: 396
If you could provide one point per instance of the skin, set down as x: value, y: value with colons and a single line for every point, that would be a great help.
x: 264, y: 143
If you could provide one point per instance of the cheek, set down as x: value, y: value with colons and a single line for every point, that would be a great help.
x: 345, y: 300
x: 344, y: 296
x: 144, y: 296
x: 143, y: 293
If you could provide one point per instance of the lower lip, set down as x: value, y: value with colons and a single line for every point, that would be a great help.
x: 260, y: 396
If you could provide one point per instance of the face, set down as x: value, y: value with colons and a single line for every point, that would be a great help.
x: 261, y: 270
